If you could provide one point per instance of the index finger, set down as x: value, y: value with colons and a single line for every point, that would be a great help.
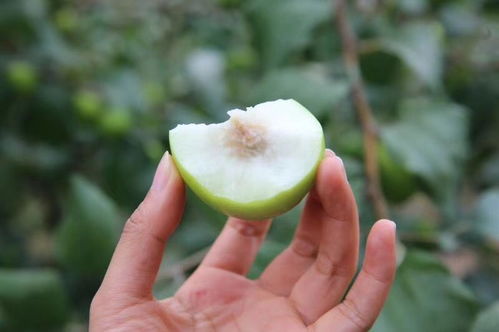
x: 138, y: 255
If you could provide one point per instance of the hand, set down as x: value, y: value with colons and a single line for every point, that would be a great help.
x: 301, y: 290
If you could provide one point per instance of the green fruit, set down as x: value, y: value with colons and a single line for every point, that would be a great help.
x: 116, y: 122
x: 241, y: 58
x: 397, y: 182
x: 350, y: 143
x: 66, y: 19
x: 258, y: 164
x: 154, y: 149
x: 154, y: 93
x: 22, y: 75
x: 88, y: 104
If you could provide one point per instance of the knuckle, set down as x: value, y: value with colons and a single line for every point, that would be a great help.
x: 380, y: 280
x: 331, y: 267
x: 304, y: 247
x: 249, y: 228
x: 97, y: 302
x: 350, y: 311
x: 138, y: 225
x: 135, y: 223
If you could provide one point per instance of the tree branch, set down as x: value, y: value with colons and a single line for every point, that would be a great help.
x: 363, y: 109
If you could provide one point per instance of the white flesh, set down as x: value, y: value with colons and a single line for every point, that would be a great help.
x: 254, y: 155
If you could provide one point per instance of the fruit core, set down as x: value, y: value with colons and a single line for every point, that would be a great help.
x: 245, y: 139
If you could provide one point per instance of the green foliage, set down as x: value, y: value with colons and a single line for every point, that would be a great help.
x: 430, y: 141
x: 89, y: 231
x: 419, y: 46
x: 488, y: 320
x: 426, y: 298
x: 282, y: 27
x: 32, y: 300
x: 485, y: 215
x: 89, y: 92
x: 310, y: 87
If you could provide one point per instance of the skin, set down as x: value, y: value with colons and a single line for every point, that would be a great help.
x: 303, y: 289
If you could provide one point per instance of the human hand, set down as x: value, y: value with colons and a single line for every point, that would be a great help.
x: 301, y: 290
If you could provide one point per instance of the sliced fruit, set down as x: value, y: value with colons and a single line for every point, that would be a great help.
x: 258, y: 164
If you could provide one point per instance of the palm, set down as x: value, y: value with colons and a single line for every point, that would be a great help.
x: 225, y: 301
x: 302, y: 289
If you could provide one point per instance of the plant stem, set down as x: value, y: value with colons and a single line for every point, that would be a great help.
x: 363, y: 109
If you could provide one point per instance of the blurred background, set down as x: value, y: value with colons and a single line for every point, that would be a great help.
x: 89, y: 90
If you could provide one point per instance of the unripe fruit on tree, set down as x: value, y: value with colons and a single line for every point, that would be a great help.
x: 397, y: 182
x: 22, y: 75
x: 116, y: 121
x: 88, y: 104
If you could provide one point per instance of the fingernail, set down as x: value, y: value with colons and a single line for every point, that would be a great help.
x: 394, y: 225
x: 343, y: 169
x: 391, y: 224
x: 162, y: 173
x: 329, y: 153
x: 341, y: 161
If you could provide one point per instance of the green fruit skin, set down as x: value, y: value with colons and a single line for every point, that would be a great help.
x: 116, y: 122
x: 88, y: 104
x: 22, y: 75
x: 66, y: 19
x: 256, y: 210
x: 397, y: 182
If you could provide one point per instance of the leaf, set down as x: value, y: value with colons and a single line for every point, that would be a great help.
x: 460, y: 18
x: 285, y: 26
x: 19, y: 13
x: 488, y: 320
x: 316, y: 91
x: 484, y: 52
x: 411, y: 7
x: 429, y: 140
x: 486, y: 214
x: 39, y: 157
x: 425, y: 297
x: 123, y: 89
x: 483, y: 281
x: 419, y: 46
x: 33, y: 299
x: 88, y: 235
x: 489, y: 171
x: 53, y: 46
